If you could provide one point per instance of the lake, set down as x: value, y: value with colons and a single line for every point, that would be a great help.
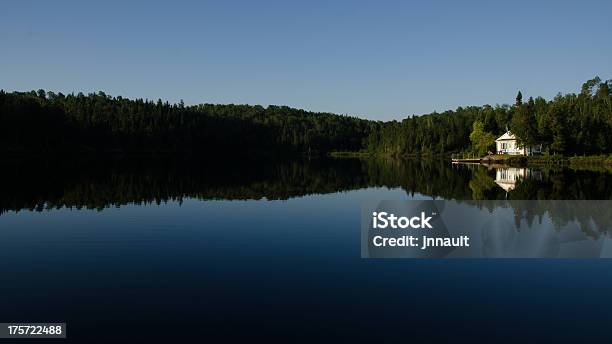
x: 156, y: 248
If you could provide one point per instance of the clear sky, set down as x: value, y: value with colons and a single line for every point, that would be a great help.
x: 374, y: 59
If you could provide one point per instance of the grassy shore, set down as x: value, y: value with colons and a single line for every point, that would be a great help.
x: 366, y: 154
x: 573, y: 160
x: 511, y: 160
x: 591, y: 160
x: 360, y: 154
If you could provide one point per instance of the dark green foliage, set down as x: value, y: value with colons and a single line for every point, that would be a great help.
x: 524, y: 124
x: 570, y: 124
x: 437, y: 133
x: 40, y: 121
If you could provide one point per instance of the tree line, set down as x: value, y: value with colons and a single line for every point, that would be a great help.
x: 571, y: 124
x: 48, y: 121
x: 40, y: 121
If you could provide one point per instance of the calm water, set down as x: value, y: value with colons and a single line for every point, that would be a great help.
x: 148, y: 249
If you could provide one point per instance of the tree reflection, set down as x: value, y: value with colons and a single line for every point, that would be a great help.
x: 104, y: 182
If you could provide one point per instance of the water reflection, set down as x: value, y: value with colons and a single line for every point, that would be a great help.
x: 100, y: 183
x: 508, y: 177
x: 256, y: 262
x: 538, y: 183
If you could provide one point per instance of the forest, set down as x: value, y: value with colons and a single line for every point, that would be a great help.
x: 41, y: 121
x: 45, y: 121
x: 571, y: 124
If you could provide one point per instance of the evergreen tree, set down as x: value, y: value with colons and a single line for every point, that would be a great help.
x: 518, y: 99
x: 524, y: 125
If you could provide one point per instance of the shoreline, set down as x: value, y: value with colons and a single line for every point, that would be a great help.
x: 604, y: 161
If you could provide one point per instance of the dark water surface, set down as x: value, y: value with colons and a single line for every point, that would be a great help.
x: 149, y: 249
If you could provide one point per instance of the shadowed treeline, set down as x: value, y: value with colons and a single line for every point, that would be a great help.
x: 33, y: 122
x: 41, y: 121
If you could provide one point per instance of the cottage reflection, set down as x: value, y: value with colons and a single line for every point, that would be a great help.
x: 508, y: 177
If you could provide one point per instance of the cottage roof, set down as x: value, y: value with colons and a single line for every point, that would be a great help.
x: 506, y: 136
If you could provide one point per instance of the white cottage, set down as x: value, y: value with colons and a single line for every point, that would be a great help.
x: 507, y: 144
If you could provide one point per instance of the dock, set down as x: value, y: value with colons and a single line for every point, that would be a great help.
x: 491, y: 159
x: 467, y: 160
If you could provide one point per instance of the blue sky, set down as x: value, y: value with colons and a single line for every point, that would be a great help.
x: 374, y: 59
